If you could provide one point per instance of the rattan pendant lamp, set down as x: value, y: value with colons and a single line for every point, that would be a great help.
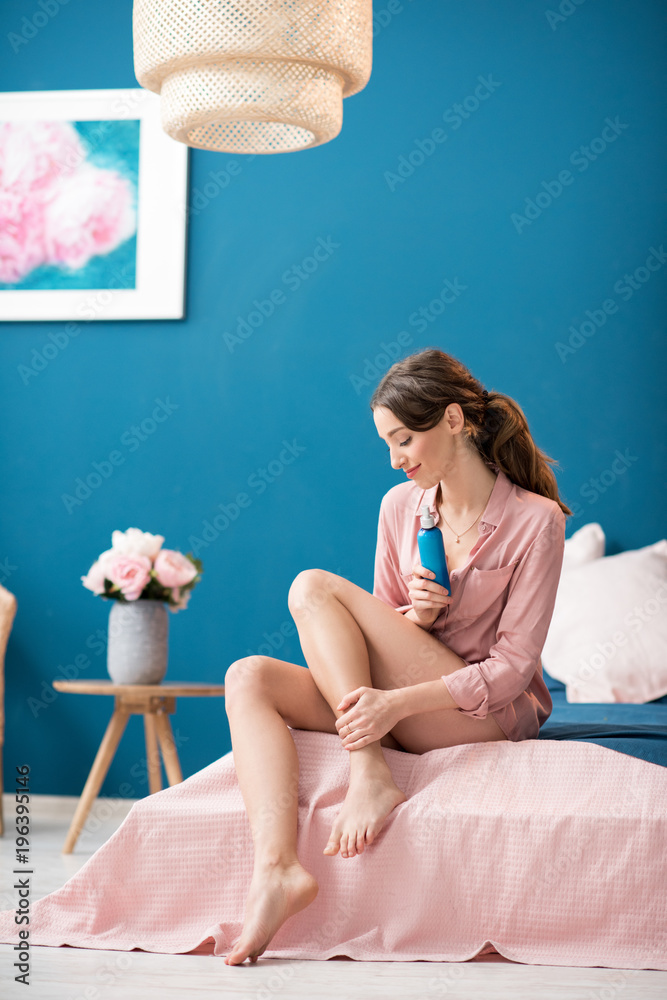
x: 252, y: 76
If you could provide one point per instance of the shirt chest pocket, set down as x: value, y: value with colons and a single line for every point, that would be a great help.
x: 481, y: 589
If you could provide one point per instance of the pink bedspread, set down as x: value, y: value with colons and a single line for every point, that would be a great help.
x: 549, y: 852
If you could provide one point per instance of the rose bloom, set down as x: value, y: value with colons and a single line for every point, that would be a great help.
x: 130, y: 573
x: 173, y: 569
x: 94, y: 580
x: 136, y: 542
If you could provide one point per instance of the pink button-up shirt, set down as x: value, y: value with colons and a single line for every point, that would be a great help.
x: 502, y: 598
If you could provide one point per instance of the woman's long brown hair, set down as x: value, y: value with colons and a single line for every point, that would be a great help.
x: 418, y: 390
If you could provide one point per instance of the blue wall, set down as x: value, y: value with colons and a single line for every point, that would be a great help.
x: 307, y: 373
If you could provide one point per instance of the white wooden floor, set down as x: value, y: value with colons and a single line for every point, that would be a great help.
x: 68, y: 973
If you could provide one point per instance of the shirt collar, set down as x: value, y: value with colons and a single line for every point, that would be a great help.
x: 495, y: 506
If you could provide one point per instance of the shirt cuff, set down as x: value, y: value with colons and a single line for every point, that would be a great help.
x: 469, y: 691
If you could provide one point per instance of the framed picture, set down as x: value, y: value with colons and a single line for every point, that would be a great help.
x: 93, y: 207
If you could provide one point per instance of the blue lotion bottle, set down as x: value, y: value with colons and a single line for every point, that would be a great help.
x: 432, y: 549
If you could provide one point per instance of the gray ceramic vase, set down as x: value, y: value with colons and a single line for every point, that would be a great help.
x: 138, y: 641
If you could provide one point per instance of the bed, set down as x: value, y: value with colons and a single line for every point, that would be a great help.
x: 548, y: 851
x: 638, y: 730
x: 605, y: 657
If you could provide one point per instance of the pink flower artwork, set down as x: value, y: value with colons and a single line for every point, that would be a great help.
x: 56, y: 207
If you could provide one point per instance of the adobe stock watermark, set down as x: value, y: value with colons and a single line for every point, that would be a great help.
x: 581, y: 158
x: 43, y: 13
x: 92, y: 306
x: 6, y: 570
x: 258, y: 481
x: 383, y: 16
x: 292, y: 279
x: 93, y: 303
x: 97, y: 642
x: 374, y: 368
x: 111, y: 973
x: 607, y: 648
x: 625, y: 288
x: 558, y: 863
x: 131, y: 439
x: 597, y: 486
x: 249, y: 664
x: 123, y: 107
x: 614, y: 982
x: 565, y: 10
x: 439, y: 809
x: 108, y: 806
x: 448, y: 981
x: 454, y: 116
x: 218, y: 181
x: 276, y: 981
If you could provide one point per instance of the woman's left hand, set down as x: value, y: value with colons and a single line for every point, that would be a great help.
x: 371, y: 714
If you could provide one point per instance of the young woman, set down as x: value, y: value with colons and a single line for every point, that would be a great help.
x: 447, y: 669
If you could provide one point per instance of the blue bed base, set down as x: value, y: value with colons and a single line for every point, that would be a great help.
x: 638, y: 730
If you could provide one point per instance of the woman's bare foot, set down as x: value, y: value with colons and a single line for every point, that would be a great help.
x: 276, y: 893
x: 370, y: 798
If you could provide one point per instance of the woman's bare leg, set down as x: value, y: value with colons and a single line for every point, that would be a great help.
x: 267, y: 766
x: 263, y: 697
x: 352, y: 639
x: 336, y: 653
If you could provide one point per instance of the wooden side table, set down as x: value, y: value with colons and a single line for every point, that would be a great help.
x: 155, y: 702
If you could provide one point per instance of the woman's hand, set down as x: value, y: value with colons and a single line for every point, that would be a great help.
x: 371, y: 714
x: 427, y: 597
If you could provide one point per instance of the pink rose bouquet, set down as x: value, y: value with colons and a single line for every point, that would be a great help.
x: 136, y: 567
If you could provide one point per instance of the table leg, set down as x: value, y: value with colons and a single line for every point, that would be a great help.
x: 169, y: 754
x: 107, y: 749
x: 152, y: 754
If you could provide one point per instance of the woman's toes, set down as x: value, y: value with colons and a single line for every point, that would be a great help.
x: 333, y: 845
x: 349, y: 844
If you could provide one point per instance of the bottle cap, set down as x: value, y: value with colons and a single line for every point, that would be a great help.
x: 426, y: 517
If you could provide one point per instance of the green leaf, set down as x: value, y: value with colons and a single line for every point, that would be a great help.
x: 196, y: 562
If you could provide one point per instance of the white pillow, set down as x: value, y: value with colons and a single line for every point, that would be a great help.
x: 607, y: 641
x: 586, y: 544
x: 583, y: 546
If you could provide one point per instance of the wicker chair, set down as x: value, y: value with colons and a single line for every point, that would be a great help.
x: 7, y: 612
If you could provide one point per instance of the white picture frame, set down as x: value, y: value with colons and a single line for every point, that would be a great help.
x: 158, y: 290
